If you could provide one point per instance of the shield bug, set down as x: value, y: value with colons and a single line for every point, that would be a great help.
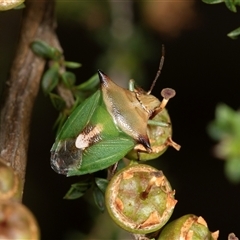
x: 110, y: 124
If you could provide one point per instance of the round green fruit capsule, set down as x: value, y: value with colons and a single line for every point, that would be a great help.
x: 140, y: 199
x: 159, y: 131
x: 188, y: 227
x: 17, y: 222
x: 7, y: 4
x: 10, y: 187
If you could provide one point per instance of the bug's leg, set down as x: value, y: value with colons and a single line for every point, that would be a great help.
x: 140, y: 149
x: 173, y: 144
x: 111, y: 171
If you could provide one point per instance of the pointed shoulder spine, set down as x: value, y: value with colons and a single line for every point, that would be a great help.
x: 104, y: 79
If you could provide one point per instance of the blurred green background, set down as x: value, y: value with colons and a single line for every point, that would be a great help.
x: 124, y: 38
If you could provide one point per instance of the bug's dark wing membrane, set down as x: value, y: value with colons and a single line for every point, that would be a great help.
x: 66, y: 157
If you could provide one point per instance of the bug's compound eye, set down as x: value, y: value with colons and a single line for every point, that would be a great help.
x: 66, y: 157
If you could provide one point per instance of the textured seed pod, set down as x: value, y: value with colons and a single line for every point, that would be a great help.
x: 160, y: 138
x: 9, y: 4
x: 17, y: 222
x: 140, y: 199
x: 9, y: 183
x: 188, y: 227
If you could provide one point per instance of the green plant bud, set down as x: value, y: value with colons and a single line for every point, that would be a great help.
x: 140, y: 199
x: 234, y: 34
x: 17, y: 222
x: 68, y: 79
x: 77, y: 190
x: 44, y: 50
x: 50, y: 79
x: 72, y: 64
x: 9, y: 182
x: 57, y: 101
x: 188, y: 227
x: 7, y: 4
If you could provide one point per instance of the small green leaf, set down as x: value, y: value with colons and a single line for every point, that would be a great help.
x: 50, y: 79
x: 72, y: 64
x: 231, y: 5
x: 89, y: 84
x: 56, y: 54
x: 214, y: 131
x: 99, y: 198
x: 234, y: 34
x: 77, y: 190
x: 101, y: 184
x: 213, y: 1
x: 42, y: 49
x: 225, y: 117
x: 68, y: 78
x: 226, y: 122
x: 57, y: 101
x: 232, y: 169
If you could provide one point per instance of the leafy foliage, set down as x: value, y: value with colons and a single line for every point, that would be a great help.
x: 232, y: 6
x: 60, y: 84
x: 98, y: 186
x: 234, y: 34
x: 42, y: 49
x: 77, y: 190
x: 226, y: 129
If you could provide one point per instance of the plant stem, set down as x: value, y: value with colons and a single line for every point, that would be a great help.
x: 23, y: 85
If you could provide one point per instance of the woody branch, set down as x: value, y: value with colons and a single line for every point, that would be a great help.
x: 23, y: 85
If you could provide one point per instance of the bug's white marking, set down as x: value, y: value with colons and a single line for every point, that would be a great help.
x: 90, y: 135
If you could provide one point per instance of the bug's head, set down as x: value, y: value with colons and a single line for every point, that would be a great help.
x: 150, y: 102
x: 153, y: 105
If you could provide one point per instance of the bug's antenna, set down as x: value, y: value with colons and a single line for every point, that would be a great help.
x: 159, y: 70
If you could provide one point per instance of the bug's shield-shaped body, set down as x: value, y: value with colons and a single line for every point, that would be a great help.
x: 89, y: 140
x: 103, y: 129
x: 127, y: 110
